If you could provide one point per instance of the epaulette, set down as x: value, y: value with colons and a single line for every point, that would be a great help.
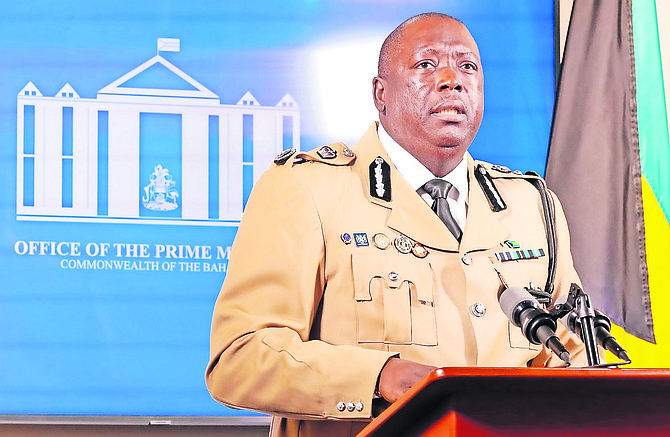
x: 500, y: 171
x: 332, y: 154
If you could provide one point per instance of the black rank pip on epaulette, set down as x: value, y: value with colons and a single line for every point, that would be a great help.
x: 284, y: 156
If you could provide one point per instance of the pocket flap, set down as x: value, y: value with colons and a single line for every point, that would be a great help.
x: 393, y: 269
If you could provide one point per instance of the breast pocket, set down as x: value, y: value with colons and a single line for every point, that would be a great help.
x: 517, y: 339
x: 522, y: 273
x: 394, y: 299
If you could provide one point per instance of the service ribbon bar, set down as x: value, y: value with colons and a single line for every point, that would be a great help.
x: 519, y: 254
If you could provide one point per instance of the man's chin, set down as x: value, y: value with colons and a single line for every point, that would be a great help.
x: 454, y: 142
x: 453, y: 133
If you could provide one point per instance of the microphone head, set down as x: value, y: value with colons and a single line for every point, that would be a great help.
x: 514, y: 300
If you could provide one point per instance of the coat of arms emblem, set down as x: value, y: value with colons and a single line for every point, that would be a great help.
x: 160, y: 194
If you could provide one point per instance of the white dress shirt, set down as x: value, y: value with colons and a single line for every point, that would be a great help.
x: 417, y: 175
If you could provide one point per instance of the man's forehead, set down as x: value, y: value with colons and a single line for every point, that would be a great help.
x: 423, y: 31
x: 437, y: 30
x: 453, y: 48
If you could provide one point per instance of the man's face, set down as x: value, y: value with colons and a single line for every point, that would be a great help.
x: 430, y: 95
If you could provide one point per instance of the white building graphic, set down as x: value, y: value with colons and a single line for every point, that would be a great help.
x: 95, y: 160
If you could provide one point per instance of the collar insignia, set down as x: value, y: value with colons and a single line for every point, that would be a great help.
x: 380, y: 179
x: 492, y: 194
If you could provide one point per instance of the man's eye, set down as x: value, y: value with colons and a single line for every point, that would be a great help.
x: 425, y: 64
x: 469, y: 66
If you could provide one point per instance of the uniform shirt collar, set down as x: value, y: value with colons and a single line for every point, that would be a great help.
x: 415, y: 172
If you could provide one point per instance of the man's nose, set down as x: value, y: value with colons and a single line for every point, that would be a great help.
x: 448, y: 80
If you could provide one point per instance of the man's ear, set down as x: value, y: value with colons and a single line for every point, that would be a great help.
x: 379, y: 95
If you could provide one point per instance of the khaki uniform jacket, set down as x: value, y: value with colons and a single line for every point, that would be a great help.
x: 305, y: 321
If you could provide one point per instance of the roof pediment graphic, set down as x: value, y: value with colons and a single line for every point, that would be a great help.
x: 157, y: 76
x: 248, y: 99
x: 287, y: 101
x: 181, y: 84
x: 30, y: 90
x: 68, y: 92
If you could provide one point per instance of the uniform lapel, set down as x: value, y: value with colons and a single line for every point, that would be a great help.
x: 410, y: 215
x: 483, y: 229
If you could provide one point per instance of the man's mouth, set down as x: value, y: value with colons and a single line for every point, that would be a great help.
x: 450, y: 111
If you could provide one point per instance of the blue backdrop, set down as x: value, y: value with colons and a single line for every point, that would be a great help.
x: 112, y: 318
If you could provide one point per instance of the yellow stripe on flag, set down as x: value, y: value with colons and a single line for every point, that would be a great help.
x: 657, y: 230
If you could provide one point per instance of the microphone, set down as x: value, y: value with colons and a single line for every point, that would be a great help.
x: 524, y: 311
x: 602, y: 326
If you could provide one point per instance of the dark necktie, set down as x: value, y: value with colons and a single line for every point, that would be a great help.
x: 438, y: 189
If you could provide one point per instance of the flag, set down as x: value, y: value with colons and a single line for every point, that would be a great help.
x: 168, y: 44
x: 609, y: 163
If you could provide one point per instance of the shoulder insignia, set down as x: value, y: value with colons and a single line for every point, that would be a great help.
x: 284, y: 156
x: 502, y: 171
x: 333, y: 154
x: 326, y: 152
x: 501, y: 168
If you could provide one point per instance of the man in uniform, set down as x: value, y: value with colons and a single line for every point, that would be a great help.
x: 344, y: 287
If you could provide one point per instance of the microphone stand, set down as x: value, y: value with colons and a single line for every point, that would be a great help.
x: 581, y: 316
x: 586, y: 315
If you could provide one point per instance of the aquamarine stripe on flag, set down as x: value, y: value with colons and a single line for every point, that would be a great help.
x: 652, y: 118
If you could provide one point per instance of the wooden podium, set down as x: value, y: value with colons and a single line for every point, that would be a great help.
x: 506, y: 402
